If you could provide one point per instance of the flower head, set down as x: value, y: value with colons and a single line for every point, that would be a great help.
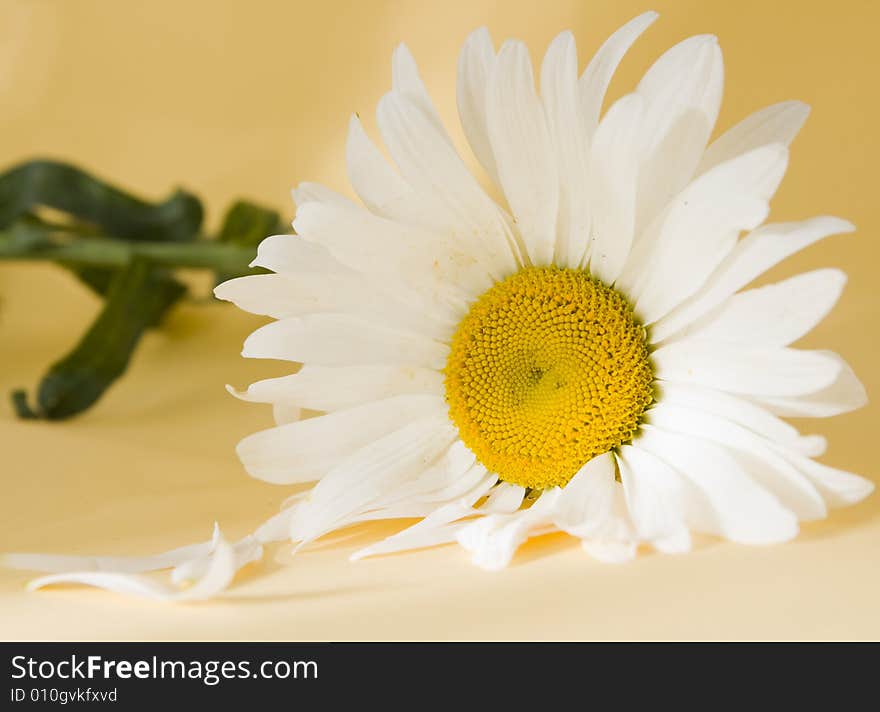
x: 585, y: 355
x: 576, y: 357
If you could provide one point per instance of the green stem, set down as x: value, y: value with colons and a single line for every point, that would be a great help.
x: 113, y: 252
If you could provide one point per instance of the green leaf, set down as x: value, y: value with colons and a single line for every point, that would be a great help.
x: 64, y: 187
x: 98, y: 279
x: 138, y: 297
x: 73, y: 191
x: 247, y: 225
x: 21, y: 407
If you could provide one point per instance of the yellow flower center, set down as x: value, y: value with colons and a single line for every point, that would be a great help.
x: 548, y: 369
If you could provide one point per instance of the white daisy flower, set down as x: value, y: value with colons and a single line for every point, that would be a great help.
x: 579, y: 357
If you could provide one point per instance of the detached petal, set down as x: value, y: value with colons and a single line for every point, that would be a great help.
x: 217, y: 575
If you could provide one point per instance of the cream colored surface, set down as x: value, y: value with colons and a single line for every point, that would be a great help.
x: 248, y: 98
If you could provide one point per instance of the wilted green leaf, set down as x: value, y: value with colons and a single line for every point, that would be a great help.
x: 138, y: 297
x: 73, y: 191
x: 63, y: 187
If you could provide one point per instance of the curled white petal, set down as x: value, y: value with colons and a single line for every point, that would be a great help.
x: 215, y: 576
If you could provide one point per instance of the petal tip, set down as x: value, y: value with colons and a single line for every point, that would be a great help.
x: 867, y: 488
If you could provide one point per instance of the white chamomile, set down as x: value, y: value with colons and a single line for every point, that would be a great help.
x: 584, y: 356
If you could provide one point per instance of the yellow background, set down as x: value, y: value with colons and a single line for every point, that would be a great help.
x: 247, y: 98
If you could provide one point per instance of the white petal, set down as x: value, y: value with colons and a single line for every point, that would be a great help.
x: 779, y: 123
x: 655, y: 496
x: 419, y: 536
x: 754, y: 255
x: 753, y: 451
x: 475, y: 66
x: 283, y: 413
x: 372, y: 177
x: 329, y: 388
x: 740, y: 411
x: 343, y: 340
x: 307, y: 449
x: 682, y: 93
x: 308, y: 192
x: 431, y: 165
x: 700, y: 228
x: 733, y: 505
x: 278, y: 297
x: 613, y: 172
x: 595, y: 80
x: 592, y: 507
x: 370, y: 512
x: 559, y: 93
x: 217, y: 576
x: 365, y: 476
x: 839, y: 487
x: 385, y: 463
x: 405, y: 80
x: 245, y: 551
x: 775, y: 315
x: 439, y: 527
x: 431, y: 269
x: 523, y: 150
x: 846, y: 393
x: 666, y: 171
x: 314, y: 293
x: 319, y: 275
x: 422, y: 205
x: 585, y: 502
x: 505, y: 498
x: 451, y: 476
x: 277, y: 527
x: 493, y: 539
x: 290, y: 254
x: 59, y: 563
x: 689, y: 76
x: 748, y: 371
x: 616, y: 544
